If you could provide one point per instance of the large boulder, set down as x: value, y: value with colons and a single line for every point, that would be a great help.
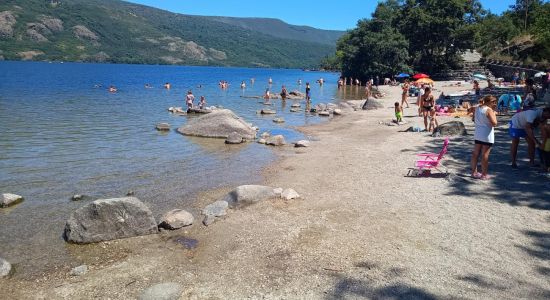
x: 175, y: 219
x: 371, y: 103
x: 5, y: 268
x: 10, y: 199
x: 218, y: 124
x: 247, y: 194
x: 451, y: 128
x: 109, y: 219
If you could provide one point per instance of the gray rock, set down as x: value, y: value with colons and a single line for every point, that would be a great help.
x: 109, y: 219
x: 5, y: 268
x: 278, y: 192
x: 267, y: 112
x: 324, y: 113
x: 451, y: 128
x: 337, y: 112
x: 216, y: 209
x: 320, y: 107
x: 289, y: 194
x: 262, y: 141
x: 301, y: 143
x: 234, y: 138
x: 208, y: 220
x: 218, y: 124
x: 294, y: 110
x: 163, y: 127
x: 10, y: 199
x: 346, y: 107
x: 295, y: 105
x: 265, y: 135
x: 276, y: 140
x: 79, y: 271
x: 246, y: 194
x: 279, y: 120
x: 162, y: 291
x: 176, y: 219
x: 371, y: 104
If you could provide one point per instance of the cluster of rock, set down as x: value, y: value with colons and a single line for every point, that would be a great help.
x: 326, y: 110
x: 244, y: 195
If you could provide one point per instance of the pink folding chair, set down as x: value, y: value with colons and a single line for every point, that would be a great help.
x: 429, y: 161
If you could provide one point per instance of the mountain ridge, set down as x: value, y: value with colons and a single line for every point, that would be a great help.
x: 122, y: 32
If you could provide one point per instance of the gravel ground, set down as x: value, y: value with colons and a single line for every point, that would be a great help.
x: 362, y: 229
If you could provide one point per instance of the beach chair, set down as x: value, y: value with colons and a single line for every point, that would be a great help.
x: 429, y: 161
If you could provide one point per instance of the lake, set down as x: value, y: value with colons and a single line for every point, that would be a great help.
x: 63, y: 133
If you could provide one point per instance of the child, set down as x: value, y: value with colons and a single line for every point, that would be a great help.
x: 202, y: 102
x: 398, y: 112
x: 544, y: 148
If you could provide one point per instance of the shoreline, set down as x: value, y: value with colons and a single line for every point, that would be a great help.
x: 361, y: 229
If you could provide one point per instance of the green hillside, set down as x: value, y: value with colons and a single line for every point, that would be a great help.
x: 121, y: 32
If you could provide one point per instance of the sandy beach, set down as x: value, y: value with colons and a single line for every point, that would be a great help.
x: 361, y: 229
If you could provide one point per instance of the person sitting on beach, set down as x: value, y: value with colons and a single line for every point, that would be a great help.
x: 308, y: 93
x: 167, y: 86
x: 398, y: 112
x: 485, y: 121
x: 189, y: 98
x: 428, y: 109
x: 522, y: 125
x: 284, y: 93
x: 202, y: 102
x: 112, y: 89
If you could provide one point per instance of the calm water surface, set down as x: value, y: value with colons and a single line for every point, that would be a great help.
x: 62, y: 135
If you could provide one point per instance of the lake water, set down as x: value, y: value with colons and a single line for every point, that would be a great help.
x: 63, y: 135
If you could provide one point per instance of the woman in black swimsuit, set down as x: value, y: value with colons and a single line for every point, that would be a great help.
x: 428, y: 107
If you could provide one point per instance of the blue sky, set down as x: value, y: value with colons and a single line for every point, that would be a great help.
x: 339, y: 15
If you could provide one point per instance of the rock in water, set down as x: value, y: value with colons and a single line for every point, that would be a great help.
x: 294, y: 110
x: 451, y: 128
x: 276, y: 140
x: 267, y: 112
x: 295, y: 105
x: 10, y: 199
x: 302, y: 143
x: 265, y: 135
x: 337, y: 112
x: 324, y: 114
x: 262, y: 141
x: 5, y: 268
x: 162, y: 291
x: 109, y: 219
x: 249, y: 194
x: 234, y: 138
x: 176, y: 219
x: 289, y: 194
x: 278, y: 120
x: 218, y: 124
x: 163, y: 127
x: 79, y: 271
x: 216, y: 209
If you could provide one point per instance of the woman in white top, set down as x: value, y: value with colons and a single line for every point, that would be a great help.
x: 485, y: 121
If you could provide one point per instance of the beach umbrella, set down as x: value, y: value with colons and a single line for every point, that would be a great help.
x: 420, y: 75
x: 425, y: 81
x: 402, y: 75
x: 540, y: 74
x: 480, y: 76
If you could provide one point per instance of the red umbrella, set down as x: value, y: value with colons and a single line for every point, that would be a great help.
x: 420, y: 75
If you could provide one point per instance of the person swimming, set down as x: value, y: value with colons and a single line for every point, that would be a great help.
x: 167, y: 86
x: 112, y: 89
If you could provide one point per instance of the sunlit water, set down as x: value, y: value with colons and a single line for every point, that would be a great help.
x: 63, y: 135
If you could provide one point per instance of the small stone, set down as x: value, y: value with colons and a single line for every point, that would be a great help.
x: 176, y: 219
x: 208, y: 220
x: 77, y: 197
x: 234, y: 138
x: 265, y: 135
x: 294, y: 110
x: 337, y: 112
x: 278, y: 120
x: 277, y: 140
x: 10, y: 199
x: 267, y: 112
x: 216, y: 209
x: 162, y: 291
x: 262, y: 141
x: 79, y: 271
x: 163, y: 127
x: 295, y: 105
x: 324, y: 114
x: 5, y: 268
x: 302, y: 143
x: 278, y: 192
x: 289, y: 194
x: 130, y: 193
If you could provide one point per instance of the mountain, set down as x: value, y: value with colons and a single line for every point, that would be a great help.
x: 121, y: 32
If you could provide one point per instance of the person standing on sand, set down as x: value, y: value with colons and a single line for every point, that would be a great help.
x: 522, y: 125
x: 405, y: 93
x: 428, y: 108
x: 189, y: 98
x: 308, y: 93
x: 485, y: 121
x: 398, y: 112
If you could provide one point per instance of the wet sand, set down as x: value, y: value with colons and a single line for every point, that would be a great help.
x: 362, y: 228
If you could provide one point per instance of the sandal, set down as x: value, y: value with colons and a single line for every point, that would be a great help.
x: 476, y: 175
x: 486, y: 177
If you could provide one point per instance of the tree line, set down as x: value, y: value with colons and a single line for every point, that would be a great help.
x: 430, y: 35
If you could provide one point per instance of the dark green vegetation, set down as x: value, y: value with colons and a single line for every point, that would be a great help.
x: 121, y: 32
x: 430, y: 35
